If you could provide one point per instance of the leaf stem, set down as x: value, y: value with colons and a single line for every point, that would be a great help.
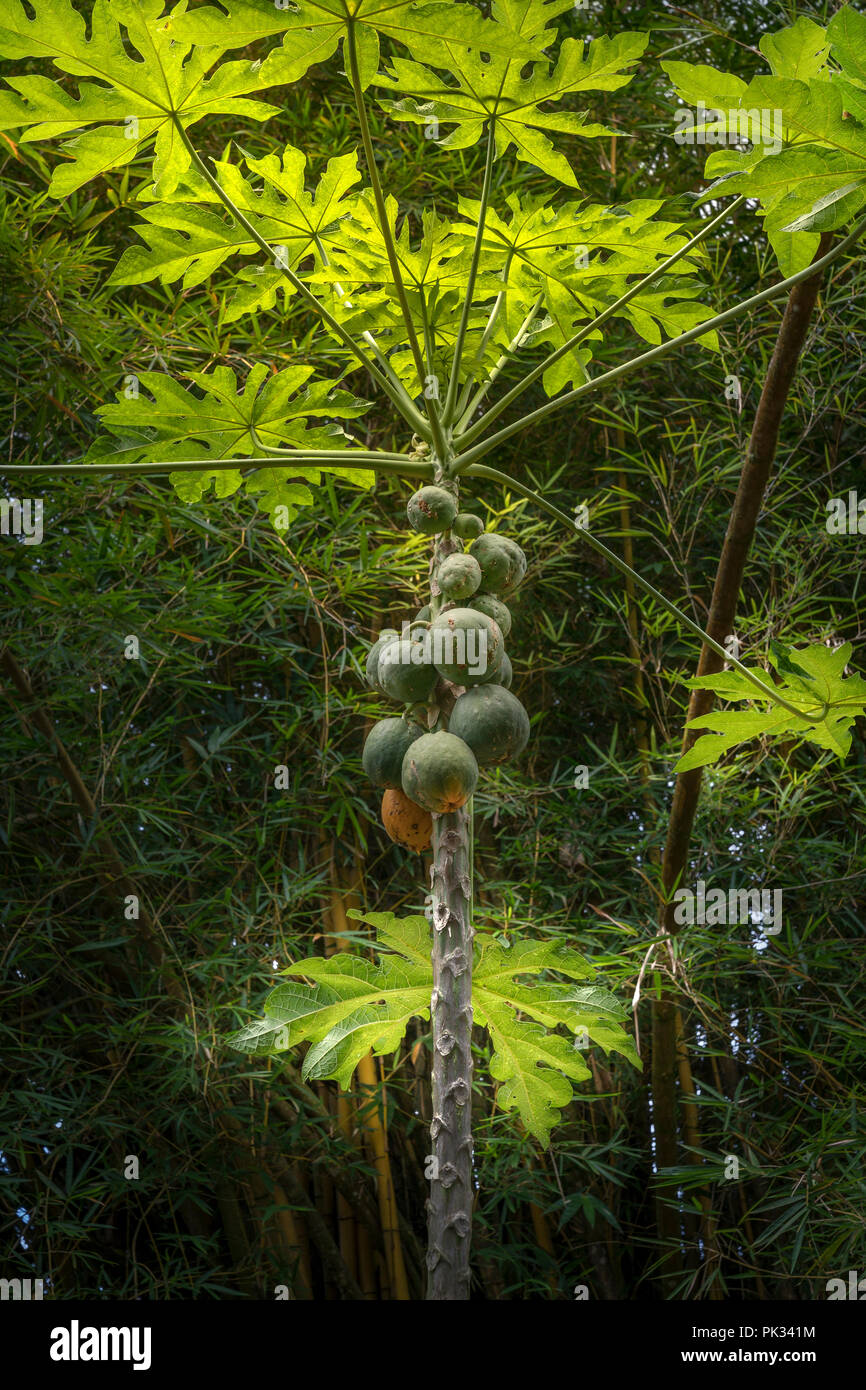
x: 493, y: 474
x: 380, y: 463
x: 367, y: 336
x: 453, y: 380
x: 501, y: 364
x: 350, y: 47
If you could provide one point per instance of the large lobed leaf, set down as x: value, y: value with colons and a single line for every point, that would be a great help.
x: 812, y: 678
x: 164, y: 81
x: 219, y: 420
x: 347, y: 1006
x: 190, y: 243
x: 815, y: 93
x: 313, y: 29
x: 580, y: 258
x: 482, y: 88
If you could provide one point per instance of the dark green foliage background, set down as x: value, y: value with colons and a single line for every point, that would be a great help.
x: 250, y: 651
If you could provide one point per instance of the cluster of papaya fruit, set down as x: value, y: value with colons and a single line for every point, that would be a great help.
x: 450, y: 671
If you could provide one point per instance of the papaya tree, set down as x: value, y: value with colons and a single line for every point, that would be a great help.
x: 434, y: 310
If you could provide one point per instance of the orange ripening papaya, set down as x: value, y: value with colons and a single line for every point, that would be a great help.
x: 407, y: 823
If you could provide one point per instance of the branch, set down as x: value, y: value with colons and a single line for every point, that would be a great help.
x: 739, y: 538
x: 463, y: 399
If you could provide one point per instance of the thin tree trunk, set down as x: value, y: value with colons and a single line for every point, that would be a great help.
x: 720, y: 624
x: 738, y: 541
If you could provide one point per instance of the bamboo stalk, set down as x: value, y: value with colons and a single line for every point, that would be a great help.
x: 347, y: 1232
x: 376, y: 1134
x: 236, y: 1236
x: 367, y: 1265
x: 289, y: 1232
x: 323, y: 1188
x: 349, y: 1236
x: 544, y: 1240
x: 284, y: 1236
x: 372, y: 1117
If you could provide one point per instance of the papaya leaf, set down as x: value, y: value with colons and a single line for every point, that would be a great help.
x: 190, y: 243
x: 580, y: 257
x: 126, y: 101
x: 535, y: 1069
x: 218, y: 423
x: 313, y: 29
x: 806, y: 121
x: 847, y: 34
x: 347, y: 1006
x: 622, y: 238
x: 486, y: 86
x: 434, y: 270
x: 813, y: 678
x: 800, y: 51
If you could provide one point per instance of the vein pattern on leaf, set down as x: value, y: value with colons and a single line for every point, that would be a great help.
x: 218, y: 423
x: 169, y: 81
x: 494, y: 89
x: 812, y: 678
x: 353, y: 1006
x: 313, y: 29
x: 189, y: 242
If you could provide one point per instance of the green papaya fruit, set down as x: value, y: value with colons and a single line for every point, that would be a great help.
x: 466, y: 646
x: 467, y: 526
x: 458, y: 576
x: 385, y: 749
x: 404, y: 671
x: 495, y: 609
x: 439, y: 772
x: 503, y: 563
x: 431, y: 510
x: 492, y: 722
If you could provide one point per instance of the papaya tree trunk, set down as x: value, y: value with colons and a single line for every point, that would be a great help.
x: 450, y: 1202
x: 449, y: 1206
